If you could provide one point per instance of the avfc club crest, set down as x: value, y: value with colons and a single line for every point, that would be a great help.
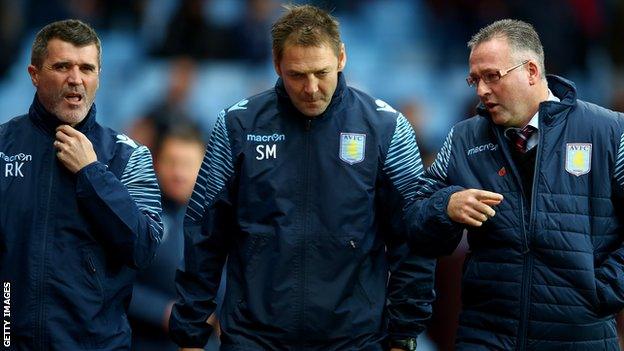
x: 578, y: 158
x: 352, y: 146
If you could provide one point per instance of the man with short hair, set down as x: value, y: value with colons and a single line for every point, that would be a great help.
x: 537, y: 179
x: 80, y: 208
x: 178, y: 151
x: 302, y: 190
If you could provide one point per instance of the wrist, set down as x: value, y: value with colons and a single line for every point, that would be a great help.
x: 406, y: 344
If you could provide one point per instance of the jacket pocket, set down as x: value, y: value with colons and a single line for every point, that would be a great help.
x: 93, y: 273
x: 360, y: 284
x: 253, y: 252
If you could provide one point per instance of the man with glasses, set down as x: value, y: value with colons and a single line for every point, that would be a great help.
x: 536, y: 179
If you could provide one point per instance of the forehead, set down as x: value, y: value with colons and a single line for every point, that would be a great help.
x: 308, y: 58
x: 173, y: 146
x: 490, y: 55
x: 59, y: 50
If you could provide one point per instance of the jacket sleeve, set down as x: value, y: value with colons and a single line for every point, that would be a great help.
x: 410, y: 286
x: 610, y: 274
x: 430, y: 230
x: 208, y: 221
x: 126, y: 210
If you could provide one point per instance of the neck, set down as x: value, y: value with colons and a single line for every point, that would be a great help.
x: 543, y: 92
x: 541, y: 95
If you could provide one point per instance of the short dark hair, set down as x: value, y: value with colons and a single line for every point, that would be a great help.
x: 521, y: 36
x: 305, y: 25
x: 72, y: 31
x: 185, y: 130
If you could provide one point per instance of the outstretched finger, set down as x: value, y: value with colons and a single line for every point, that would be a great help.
x: 491, y: 202
x: 484, y: 195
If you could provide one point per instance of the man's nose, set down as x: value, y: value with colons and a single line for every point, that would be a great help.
x: 74, y: 76
x: 311, y: 85
x: 482, y: 88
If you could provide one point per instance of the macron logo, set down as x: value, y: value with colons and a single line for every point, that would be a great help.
x: 480, y: 148
x: 383, y: 106
x: 239, y: 106
x: 14, y: 163
x: 266, y: 138
x: 121, y: 138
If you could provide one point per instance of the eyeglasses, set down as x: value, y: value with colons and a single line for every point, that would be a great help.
x: 491, y: 77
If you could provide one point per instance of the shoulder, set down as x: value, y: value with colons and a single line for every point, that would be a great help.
x: 245, y: 111
x: 597, y: 113
x: 602, y: 120
x: 14, y: 122
x: 372, y: 108
x: 476, y: 127
x: 15, y: 128
x: 118, y: 148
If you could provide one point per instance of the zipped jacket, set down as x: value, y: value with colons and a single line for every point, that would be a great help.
x: 547, y: 271
x: 70, y: 244
x: 308, y: 213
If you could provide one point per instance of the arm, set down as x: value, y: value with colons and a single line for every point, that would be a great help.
x: 430, y: 229
x: 410, y: 287
x: 209, y: 218
x: 125, y: 211
x: 440, y: 211
x: 610, y: 274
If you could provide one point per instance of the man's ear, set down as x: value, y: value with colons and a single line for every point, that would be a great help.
x: 342, y: 58
x: 276, y: 65
x: 535, y: 75
x: 34, y: 75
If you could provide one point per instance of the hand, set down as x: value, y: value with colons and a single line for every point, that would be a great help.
x: 167, y: 315
x: 472, y: 206
x: 214, y: 322
x: 74, y: 150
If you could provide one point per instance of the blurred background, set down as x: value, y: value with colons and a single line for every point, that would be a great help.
x: 195, y: 57
x: 179, y: 62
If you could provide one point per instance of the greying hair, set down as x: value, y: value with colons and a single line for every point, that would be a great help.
x: 307, y: 26
x: 72, y: 31
x: 521, y: 36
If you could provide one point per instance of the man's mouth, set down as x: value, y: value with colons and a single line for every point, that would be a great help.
x: 74, y: 98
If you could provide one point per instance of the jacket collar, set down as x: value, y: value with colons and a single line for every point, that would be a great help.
x: 550, y: 111
x: 284, y: 99
x: 48, y: 122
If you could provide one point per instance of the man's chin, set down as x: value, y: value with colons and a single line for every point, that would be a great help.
x: 71, y: 117
x: 500, y: 119
x: 312, y: 111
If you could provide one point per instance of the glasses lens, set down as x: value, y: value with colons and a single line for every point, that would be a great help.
x: 491, y: 77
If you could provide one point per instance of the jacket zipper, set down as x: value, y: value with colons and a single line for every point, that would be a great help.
x: 306, y: 225
x: 506, y: 153
x: 528, y: 258
x: 40, y: 292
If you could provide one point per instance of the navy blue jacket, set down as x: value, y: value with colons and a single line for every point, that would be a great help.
x: 70, y: 244
x: 546, y: 272
x: 308, y: 214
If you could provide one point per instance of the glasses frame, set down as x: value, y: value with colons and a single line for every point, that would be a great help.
x: 474, y: 82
